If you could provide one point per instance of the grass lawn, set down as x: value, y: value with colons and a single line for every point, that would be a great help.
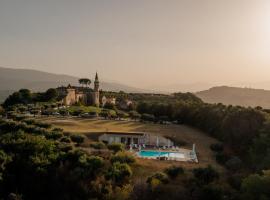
x: 87, y: 109
x: 184, y: 133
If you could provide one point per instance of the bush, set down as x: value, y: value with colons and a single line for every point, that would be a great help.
x: 217, y: 147
x: 65, y: 139
x: 37, y: 123
x: 212, y: 192
x: 98, y: 145
x: 65, y: 147
x: 134, y: 115
x: 2, y: 110
x: 205, y: 175
x: 174, y: 171
x: 58, y: 129
x: 162, y: 177
x: 43, y: 125
x: 123, y: 157
x: 89, y: 166
x: 234, y: 163
x: 221, y: 158
x: 55, y: 135
x: 116, y: 147
x: 29, y: 121
x: 79, y: 139
x: 148, y: 117
x: 119, y: 172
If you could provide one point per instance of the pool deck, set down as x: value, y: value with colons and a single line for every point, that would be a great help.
x: 189, y: 155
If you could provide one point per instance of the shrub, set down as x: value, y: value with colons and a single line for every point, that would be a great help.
x: 65, y: 147
x: 19, y: 117
x: 123, y: 157
x: 77, y: 112
x: 134, y: 115
x: 256, y: 186
x: 212, y: 192
x: 98, y: 145
x: 205, y: 175
x: 2, y: 110
x: 234, y: 163
x: 77, y: 138
x: 174, y: 171
x: 89, y: 166
x: 148, y: 117
x: 43, y: 125
x: 29, y: 121
x: 116, y: 147
x: 58, y: 129
x: 54, y: 135
x: 119, y: 172
x: 162, y: 177
x: 217, y: 147
x: 65, y: 139
x: 221, y: 158
x: 37, y: 123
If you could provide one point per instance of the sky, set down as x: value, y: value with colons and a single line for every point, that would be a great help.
x: 142, y: 43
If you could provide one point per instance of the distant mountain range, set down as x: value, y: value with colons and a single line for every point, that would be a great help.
x: 14, y: 79
x: 236, y: 96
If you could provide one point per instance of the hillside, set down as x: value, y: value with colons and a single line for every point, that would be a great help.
x: 236, y: 96
x: 15, y: 79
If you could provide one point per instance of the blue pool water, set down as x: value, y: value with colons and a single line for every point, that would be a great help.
x: 152, y: 154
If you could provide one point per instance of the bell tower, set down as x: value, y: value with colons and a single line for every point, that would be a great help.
x: 96, y: 83
x: 96, y: 91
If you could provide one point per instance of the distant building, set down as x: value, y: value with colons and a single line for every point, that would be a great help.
x: 71, y: 95
x: 138, y: 138
x: 124, y: 104
x: 110, y: 100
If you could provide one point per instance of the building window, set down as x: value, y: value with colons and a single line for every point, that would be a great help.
x: 123, y: 140
x: 135, y: 141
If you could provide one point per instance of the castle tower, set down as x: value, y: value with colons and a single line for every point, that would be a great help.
x: 96, y: 83
x: 96, y: 91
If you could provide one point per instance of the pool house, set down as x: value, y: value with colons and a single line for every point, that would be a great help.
x: 135, y: 138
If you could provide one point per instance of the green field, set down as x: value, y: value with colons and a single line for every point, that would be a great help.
x: 88, y: 109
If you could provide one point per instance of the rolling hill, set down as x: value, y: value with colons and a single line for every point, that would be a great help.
x: 236, y: 96
x: 15, y: 79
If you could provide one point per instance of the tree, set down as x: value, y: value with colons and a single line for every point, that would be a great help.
x: 23, y: 96
x: 50, y: 95
x: 256, y: 186
x: 116, y: 147
x: 119, y: 173
x: 109, y: 106
x: 79, y: 139
x: 123, y: 157
x: 148, y: 117
x: 2, y: 110
x: 85, y: 81
x: 205, y: 175
x: 174, y: 171
x: 134, y: 115
x: 162, y: 177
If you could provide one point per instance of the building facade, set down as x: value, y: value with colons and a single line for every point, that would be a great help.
x: 137, y: 138
x: 71, y: 95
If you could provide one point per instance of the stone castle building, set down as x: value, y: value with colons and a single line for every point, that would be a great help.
x: 71, y: 95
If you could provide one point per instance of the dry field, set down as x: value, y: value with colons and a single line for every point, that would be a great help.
x: 179, y: 132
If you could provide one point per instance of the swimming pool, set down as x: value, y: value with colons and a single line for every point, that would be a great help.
x: 155, y: 154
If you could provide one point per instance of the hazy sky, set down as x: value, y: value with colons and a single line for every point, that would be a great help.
x: 140, y: 42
